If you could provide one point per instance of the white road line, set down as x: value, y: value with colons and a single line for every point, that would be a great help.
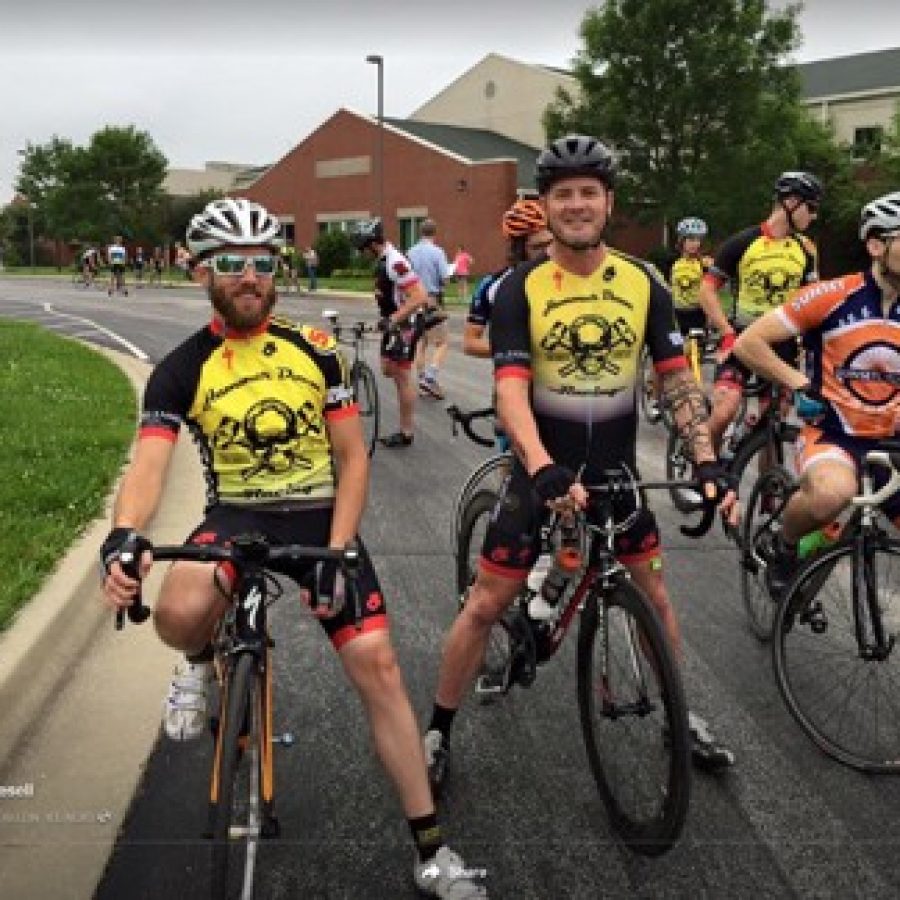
x: 135, y: 351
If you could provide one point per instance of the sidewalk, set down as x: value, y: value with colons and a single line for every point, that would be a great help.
x: 81, y: 706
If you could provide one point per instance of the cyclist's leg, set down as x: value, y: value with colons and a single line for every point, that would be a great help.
x: 828, y: 481
x: 397, y: 364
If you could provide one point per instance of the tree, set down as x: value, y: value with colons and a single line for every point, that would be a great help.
x: 89, y: 193
x: 699, y: 102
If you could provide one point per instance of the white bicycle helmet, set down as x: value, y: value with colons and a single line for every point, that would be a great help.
x: 232, y: 222
x: 880, y: 217
x: 692, y: 228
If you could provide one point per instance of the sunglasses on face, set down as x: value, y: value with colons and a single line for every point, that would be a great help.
x: 235, y: 264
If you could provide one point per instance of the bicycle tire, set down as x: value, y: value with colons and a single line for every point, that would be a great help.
x: 773, y: 486
x: 624, y: 616
x: 489, y: 475
x: 829, y: 663
x: 226, y: 853
x: 749, y: 446
x: 365, y: 391
x: 475, y: 514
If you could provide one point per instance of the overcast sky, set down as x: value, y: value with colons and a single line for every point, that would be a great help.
x: 245, y: 81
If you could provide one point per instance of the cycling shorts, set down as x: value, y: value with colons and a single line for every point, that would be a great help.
x: 732, y: 373
x: 303, y: 526
x: 814, y: 446
x: 117, y: 268
x: 398, y: 345
x: 689, y: 319
x: 512, y: 541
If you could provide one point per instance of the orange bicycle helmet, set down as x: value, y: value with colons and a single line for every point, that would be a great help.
x: 522, y: 218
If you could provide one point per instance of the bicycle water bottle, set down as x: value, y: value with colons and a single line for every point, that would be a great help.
x: 818, y: 540
x: 566, y: 563
x: 539, y: 572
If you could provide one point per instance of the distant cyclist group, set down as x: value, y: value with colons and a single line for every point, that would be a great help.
x: 117, y: 258
x: 566, y: 323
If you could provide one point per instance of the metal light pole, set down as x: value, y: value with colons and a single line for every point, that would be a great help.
x: 378, y: 61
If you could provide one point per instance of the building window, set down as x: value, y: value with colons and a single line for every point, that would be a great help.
x: 288, y: 228
x: 409, y: 231
x: 867, y: 141
x: 490, y: 89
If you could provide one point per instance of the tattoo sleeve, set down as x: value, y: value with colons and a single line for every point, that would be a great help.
x: 684, y: 397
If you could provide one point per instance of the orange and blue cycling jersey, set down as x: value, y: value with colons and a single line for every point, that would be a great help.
x: 763, y: 270
x: 852, y: 346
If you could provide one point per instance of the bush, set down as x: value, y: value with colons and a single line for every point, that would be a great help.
x: 336, y: 251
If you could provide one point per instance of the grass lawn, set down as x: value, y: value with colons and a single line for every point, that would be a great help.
x: 68, y: 417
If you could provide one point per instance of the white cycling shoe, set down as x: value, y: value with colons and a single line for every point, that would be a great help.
x: 184, y: 709
x: 446, y: 876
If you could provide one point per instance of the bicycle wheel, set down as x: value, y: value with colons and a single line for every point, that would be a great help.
x: 634, y: 718
x: 237, y: 810
x: 365, y: 389
x: 490, y: 476
x: 845, y: 702
x: 763, y: 510
x: 470, y: 538
x: 749, y: 448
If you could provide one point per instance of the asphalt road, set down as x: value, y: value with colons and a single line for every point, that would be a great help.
x: 786, y: 822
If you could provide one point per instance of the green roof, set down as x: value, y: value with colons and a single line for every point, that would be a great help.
x: 474, y: 144
x: 851, y: 74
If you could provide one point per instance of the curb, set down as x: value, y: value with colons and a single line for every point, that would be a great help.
x: 51, y: 632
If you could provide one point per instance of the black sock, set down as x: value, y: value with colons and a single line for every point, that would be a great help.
x: 427, y: 834
x: 441, y: 720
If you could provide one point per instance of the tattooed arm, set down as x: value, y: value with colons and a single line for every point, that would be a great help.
x: 684, y: 397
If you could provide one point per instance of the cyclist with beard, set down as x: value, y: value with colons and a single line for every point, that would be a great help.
x: 271, y: 409
x: 848, y: 393
x: 567, y: 333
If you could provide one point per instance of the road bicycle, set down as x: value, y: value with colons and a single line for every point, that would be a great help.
x: 362, y: 378
x: 242, y: 784
x: 835, y: 634
x: 632, y: 708
x: 488, y: 475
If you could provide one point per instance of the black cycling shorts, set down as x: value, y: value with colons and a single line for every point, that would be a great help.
x: 311, y: 527
x: 689, y: 319
x: 512, y: 541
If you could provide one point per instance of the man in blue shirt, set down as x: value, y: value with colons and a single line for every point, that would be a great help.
x: 430, y: 263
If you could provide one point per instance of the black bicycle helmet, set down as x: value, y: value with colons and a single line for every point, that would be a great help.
x: 799, y: 184
x: 367, y: 232
x: 574, y: 156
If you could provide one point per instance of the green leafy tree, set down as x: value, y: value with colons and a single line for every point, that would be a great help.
x: 335, y: 250
x: 700, y: 104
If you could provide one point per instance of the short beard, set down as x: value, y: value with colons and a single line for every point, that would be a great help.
x: 578, y: 246
x: 236, y: 321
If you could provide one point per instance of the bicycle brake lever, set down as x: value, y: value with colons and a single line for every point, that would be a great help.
x: 703, y: 526
x: 137, y: 611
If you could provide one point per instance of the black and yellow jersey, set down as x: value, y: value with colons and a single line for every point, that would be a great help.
x: 763, y: 270
x: 685, y: 278
x: 579, y: 341
x: 256, y: 405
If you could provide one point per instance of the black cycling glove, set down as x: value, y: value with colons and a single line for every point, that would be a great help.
x: 125, y: 546
x: 552, y: 482
x: 714, y: 473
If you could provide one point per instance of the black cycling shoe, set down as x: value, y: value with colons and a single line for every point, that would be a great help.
x: 707, y: 753
x: 780, y: 568
x: 397, y: 439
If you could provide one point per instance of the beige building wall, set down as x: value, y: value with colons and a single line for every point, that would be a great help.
x: 501, y: 95
x: 218, y: 176
x: 849, y: 112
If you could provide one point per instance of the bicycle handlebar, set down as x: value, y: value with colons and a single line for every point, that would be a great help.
x: 243, y: 550
x: 887, y: 460
x: 619, y: 483
x: 466, y: 418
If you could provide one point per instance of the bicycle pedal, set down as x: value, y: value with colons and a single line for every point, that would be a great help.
x: 490, y: 685
x: 286, y: 739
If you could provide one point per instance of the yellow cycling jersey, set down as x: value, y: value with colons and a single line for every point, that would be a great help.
x: 256, y: 405
x: 685, y: 279
x: 764, y: 270
x: 579, y: 341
